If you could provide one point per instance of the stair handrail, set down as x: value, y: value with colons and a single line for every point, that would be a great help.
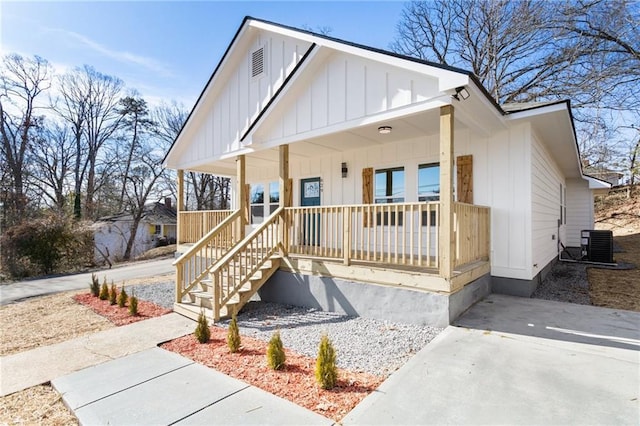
x: 182, y: 288
x: 216, y: 269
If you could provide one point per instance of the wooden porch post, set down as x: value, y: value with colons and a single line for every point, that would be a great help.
x: 241, y: 194
x: 179, y: 208
x: 285, y: 194
x: 179, y: 204
x: 446, y: 243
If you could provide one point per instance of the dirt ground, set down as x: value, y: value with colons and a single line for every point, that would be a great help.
x: 619, y: 289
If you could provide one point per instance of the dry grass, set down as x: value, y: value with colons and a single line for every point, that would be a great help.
x: 39, y: 405
x: 45, y: 321
x: 619, y: 212
x: 618, y: 289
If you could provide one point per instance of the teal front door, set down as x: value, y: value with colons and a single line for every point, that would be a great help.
x: 310, y: 196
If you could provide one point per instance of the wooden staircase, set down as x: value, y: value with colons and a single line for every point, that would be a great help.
x: 218, y: 277
x: 201, y: 297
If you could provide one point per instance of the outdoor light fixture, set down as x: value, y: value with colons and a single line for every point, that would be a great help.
x: 461, y: 92
x: 384, y: 130
x: 344, y: 170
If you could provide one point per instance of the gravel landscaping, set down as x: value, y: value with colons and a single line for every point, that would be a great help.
x: 362, y: 344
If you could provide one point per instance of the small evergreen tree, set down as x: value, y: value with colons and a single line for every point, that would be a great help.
x: 95, y: 285
x: 113, y: 294
x: 202, y: 333
x: 122, y: 297
x: 326, y: 371
x: 275, y: 352
x: 104, y: 290
x: 233, y: 336
x: 133, y: 304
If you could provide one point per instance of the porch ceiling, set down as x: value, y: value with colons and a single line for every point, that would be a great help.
x: 403, y: 128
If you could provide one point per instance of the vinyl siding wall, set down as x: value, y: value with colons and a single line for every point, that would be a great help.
x: 579, y: 210
x: 546, y: 179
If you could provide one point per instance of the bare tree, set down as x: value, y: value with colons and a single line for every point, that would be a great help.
x: 536, y: 50
x: 53, y: 158
x: 141, y: 183
x: 22, y: 81
x: 169, y: 119
x: 72, y: 107
x: 102, y: 121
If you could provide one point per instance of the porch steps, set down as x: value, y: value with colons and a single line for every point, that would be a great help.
x: 201, y: 299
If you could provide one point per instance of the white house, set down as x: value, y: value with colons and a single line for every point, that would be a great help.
x: 111, y: 233
x: 370, y: 183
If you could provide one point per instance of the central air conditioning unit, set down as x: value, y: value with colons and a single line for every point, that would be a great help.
x: 597, y: 246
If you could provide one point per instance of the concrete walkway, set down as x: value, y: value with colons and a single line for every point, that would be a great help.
x: 21, y: 290
x: 518, y: 361
x: 157, y: 387
x: 43, y: 364
x: 509, y: 360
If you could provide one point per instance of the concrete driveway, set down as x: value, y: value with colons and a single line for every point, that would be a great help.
x: 21, y: 290
x: 513, y: 360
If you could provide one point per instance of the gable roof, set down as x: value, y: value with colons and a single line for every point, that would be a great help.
x: 154, y: 213
x: 514, y: 111
x: 315, y: 39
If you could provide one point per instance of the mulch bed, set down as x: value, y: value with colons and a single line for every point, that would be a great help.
x: 117, y: 315
x: 296, y: 382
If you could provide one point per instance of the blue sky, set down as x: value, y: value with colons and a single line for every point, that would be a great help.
x: 167, y: 50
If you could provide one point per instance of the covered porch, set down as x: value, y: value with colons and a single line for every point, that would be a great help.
x: 433, y: 246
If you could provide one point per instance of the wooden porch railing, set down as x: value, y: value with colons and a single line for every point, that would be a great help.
x: 245, y: 259
x: 402, y: 233
x: 472, y: 233
x: 194, y: 265
x: 195, y: 224
x: 405, y: 234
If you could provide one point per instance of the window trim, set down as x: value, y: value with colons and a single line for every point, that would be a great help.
x: 389, y: 198
x: 426, y: 166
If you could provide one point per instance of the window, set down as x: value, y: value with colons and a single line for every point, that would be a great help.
x: 257, y: 203
x: 389, y: 186
x: 262, y: 203
x: 158, y: 229
x: 274, y: 196
x: 429, y: 182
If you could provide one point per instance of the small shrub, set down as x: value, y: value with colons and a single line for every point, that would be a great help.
x: 202, y: 333
x: 233, y: 336
x: 122, y: 297
x: 104, y: 290
x: 275, y: 352
x: 95, y: 285
x: 326, y: 372
x: 113, y: 294
x: 133, y: 304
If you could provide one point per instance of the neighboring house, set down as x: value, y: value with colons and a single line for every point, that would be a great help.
x: 610, y: 176
x: 111, y: 233
x: 370, y: 183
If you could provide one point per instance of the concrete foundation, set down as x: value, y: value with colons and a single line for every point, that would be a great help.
x: 371, y: 300
x: 521, y: 288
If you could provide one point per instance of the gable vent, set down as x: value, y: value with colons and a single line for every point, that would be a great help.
x: 257, y: 62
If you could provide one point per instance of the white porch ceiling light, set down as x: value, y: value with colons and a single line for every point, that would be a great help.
x: 384, y: 130
x: 461, y: 92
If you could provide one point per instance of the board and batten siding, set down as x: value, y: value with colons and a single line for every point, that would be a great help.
x: 546, y: 181
x: 501, y: 169
x: 509, y: 174
x: 239, y: 98
x: 580, y: 210
x: 343, y: 88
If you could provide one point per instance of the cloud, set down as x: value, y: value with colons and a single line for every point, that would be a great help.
x: 120, y: 56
